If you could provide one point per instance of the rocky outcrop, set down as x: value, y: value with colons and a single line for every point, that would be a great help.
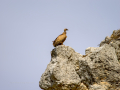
x: 99, y: 69
x: 114, y: 41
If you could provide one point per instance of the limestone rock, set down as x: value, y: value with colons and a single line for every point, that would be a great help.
x: 115, y: 34
x: 114, y: 41
x: 99, y: 69
x: 101, y: 86
x: 100, y: 66
x: 61, y: 71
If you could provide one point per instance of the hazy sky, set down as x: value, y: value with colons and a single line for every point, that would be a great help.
x: 28, y: 27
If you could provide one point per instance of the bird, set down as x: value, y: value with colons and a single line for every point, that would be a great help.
x: 60, y: 39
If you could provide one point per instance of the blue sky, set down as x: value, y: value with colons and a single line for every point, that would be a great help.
x: 28, y: 27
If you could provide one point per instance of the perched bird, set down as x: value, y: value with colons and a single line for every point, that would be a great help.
x: 60, y: 39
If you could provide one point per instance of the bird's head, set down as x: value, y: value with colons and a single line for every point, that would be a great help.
x: 65, y: 29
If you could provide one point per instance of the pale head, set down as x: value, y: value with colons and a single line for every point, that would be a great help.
x: 65, y: 29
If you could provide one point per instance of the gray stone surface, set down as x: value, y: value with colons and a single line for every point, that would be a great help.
x: 114, y: 41
x: 99, y: 69
x: 100, y: 65
x: 61, y: 71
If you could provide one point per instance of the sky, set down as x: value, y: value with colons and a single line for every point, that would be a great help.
x: 28, y: 27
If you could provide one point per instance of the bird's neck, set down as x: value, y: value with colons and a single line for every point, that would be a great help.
x: 64, y: 32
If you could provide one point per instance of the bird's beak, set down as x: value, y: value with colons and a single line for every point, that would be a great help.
x: 67, y: 29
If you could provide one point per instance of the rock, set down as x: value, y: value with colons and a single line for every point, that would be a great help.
x: 100, y: 65
x: 102, y: 43
x: 116, y: 45
x: 114, y: 41
x: 91, y: 49
x: 99, y: 69
x: 101, y: 86
x: 115, y: 34
x: 61, y: 71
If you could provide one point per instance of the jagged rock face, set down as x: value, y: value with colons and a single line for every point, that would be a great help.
x: 114, y: 41
x: 99, y: 69
x: 61, y: 71
x: 100, y: 66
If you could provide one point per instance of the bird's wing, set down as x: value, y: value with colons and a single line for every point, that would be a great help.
x: 60, y: 38
x: 64, y: 38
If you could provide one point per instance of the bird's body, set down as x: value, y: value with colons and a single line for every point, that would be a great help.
x: 60, y: 39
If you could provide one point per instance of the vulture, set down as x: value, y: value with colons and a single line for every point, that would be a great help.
x: 60, y: 39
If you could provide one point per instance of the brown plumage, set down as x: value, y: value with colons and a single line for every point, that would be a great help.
x: 60, y: 39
